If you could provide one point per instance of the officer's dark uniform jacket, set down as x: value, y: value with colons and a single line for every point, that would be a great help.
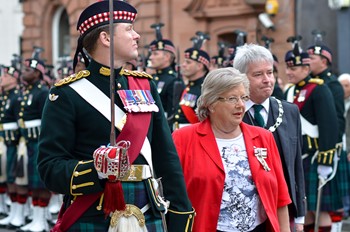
x: 9, y: 131
x: 318, y: 109
x: 65, y: 155
x: 164, y: 79
x: 9, y: 114
x: 31, y: 108
x: 193, y: 90
x: 338, y: 95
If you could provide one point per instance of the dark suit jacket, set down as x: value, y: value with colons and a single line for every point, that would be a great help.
x: 289, y: 142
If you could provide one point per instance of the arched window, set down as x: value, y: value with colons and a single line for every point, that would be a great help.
x: 60, y: 36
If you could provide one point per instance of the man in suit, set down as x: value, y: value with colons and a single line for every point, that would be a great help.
x: 279, y: 117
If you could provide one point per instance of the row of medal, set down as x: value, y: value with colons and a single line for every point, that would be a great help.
x: 138, y: 100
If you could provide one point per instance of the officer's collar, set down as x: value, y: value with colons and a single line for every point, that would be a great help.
x: 165, y: 70
x: 325, y: 73
x: 196, y: 82
x: 102, y: 70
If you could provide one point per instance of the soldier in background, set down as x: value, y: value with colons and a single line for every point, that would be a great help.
x: 162, y: 59
x: 65, y: 68
x: 320, y: 63
x: 218, y: 60
x: 29, y: 120
x: 194, y: 69
x: 9, y: 136
x: 320, y: 130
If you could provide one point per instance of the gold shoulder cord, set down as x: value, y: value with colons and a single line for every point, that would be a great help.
x: 73, y: 77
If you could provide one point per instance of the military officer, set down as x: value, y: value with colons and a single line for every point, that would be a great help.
x: 194, y: 68
x: 319, y: 129
x: 76, y: 131
x: 320, y: 63
x: 162, y: 59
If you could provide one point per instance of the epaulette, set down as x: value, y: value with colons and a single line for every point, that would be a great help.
x: 72, y: 78
x: 316, y: 81
x: 135, y: 73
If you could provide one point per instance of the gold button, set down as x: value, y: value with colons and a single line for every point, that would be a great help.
x: 76, y: 174
x: 177, y: 116
x: 74, y: 187
x: 156, y: 78
x: 119, y: 85
x: 20, y: 114
x: 23, y: 103
x: 179, y: 110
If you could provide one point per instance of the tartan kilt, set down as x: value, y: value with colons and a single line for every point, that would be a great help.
x: 331, y: 194
x: 342, y: 176
x: 11, y: 163
x: 134, y: 193
x: 34, y: 181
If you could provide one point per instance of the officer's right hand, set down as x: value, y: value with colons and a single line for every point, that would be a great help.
x: 324, y: 171
x: 112, y: 162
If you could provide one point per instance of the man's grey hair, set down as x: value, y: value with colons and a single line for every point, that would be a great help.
x: 217, y: 82
x: 251, y: 53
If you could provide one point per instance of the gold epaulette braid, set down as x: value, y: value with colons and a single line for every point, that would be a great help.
x: 316, y: 81
x: 135, y: 73
x: 72, y: 78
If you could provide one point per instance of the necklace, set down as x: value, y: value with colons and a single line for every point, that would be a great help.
x: 279, y: 118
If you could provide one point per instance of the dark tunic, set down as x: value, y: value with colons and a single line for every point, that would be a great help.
x: 318, y: 109
x: 164, y: 80
x: 9, y: 113
x: 194, y: 89
x: 338, y: 96
x: 31, y: 108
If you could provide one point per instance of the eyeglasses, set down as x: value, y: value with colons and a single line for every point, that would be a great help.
x: 234, y: 99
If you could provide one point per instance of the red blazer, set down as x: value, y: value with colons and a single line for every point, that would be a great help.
x: 205, y: 176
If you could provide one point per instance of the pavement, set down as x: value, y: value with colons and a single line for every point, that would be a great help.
x: 346, y: 226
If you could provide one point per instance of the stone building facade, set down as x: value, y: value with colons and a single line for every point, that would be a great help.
x: 51, y: 24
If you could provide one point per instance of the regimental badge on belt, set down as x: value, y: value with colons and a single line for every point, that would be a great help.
x: 302, y: 95
x: 188, y: 100
x: 138, y: 100
x: 160, y: 86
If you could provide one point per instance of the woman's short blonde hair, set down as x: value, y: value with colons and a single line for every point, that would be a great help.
x: 217, y: 82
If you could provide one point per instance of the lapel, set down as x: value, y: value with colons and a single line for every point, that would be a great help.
x: 273, y: 112
x: 281, y: 129
x: 208, y: 143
